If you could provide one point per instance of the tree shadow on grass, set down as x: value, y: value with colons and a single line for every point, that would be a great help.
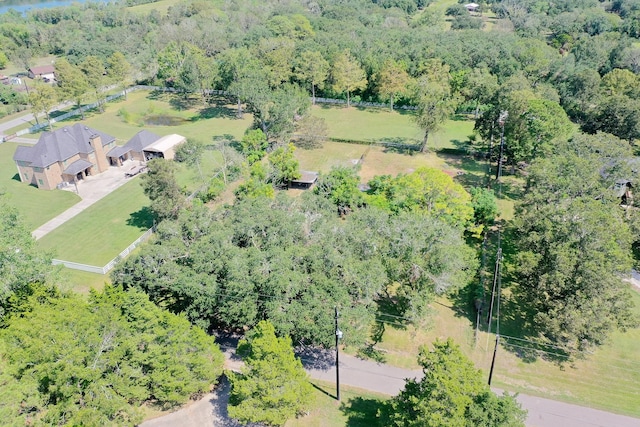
x: 221, y: 111
x: 362, y: 412
x: 183, y: 102
x: 143, y: 219
x: 16, y: 177
x: 399, y: 145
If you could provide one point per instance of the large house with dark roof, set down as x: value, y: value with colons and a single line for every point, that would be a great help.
x: 72, y: 153
x: 65, y: 155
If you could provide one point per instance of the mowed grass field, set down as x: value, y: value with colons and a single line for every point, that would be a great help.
x: 102, y: 231
x: 608, y: 379
x: 35, y: 206
x: 124, y: 118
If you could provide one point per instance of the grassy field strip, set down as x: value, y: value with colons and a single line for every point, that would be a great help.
x: 82, y: 281
x: 161, y: 6
x: 357, y: 408
x: 607, y: 380
x: 103, y: 230
x: 36, y: 206
x: 199, y: 122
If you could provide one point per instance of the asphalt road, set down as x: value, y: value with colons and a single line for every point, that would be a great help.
x: 372, y: 376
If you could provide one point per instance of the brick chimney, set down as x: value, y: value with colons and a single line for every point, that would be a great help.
x: 98, y: 149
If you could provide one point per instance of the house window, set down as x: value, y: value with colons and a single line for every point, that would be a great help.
x: 26, y: 176
x: 40, y: 182
x: 37, y: 169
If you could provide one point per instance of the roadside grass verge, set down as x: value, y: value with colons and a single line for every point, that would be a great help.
x: 607, y: 380
x: 102, y: 231
x: 358, y: 408
x: 35, y: 206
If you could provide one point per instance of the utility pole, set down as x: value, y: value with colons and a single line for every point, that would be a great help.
x: 338, y: 337
x: 503, y: 118
x: 496, y: 273
x: 493, y: 359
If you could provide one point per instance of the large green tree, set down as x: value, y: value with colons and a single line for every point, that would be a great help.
x: 72, y: 82
x: 43, y: 98
x: 284, y: 166
x: 160, y: 185
x: 433, y: 97
x: 312, y: 68
x: 25, y: 270
x: 347, y: 75
x: 95, y: 74
x: 73, y: 362
x: 452, y: 393
x: 426, y: 190
x: 274, y: 386
x: 569, y: 264
x: 281, y: 259
x: 392, y: 81
x: 119, y: 71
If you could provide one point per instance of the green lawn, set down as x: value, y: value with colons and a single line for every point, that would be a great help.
x: 161, y: 6
x: 124, y: 118
x: 357, y: 408
x: 36, y: 206
x: 82, y: 281
x: 103, y: 230
x: 383, y: 125
x: 607, y: 380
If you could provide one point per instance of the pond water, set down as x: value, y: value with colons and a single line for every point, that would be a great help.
x: 23, y: 6
x: 164, y: 120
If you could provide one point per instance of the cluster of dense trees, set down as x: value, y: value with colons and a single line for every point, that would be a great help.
x: 574, y: 243
x: 272, y: 55
x: 69, y: 360
x: 287, y: 260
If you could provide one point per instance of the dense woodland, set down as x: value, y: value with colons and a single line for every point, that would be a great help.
x: 566, y: 72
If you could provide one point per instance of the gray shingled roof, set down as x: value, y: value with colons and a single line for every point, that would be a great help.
x: 118, y: 151
x: 141, y: 140
x: 77, y: 166
x: 60, y: 144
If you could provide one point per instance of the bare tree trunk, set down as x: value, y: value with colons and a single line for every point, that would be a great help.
x: 348, y: 104
x: 391, y: 101
x: 313, y: 94
x: 423, y: 147
x: 239, y: 114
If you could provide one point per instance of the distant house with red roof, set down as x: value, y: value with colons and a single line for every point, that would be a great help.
x: 45, y: 72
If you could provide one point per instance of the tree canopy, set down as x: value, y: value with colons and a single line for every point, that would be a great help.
x: 283, y: 259
x: 569, y: 264
x: 274, y: 386
x: 451, y: 393
x: 73, y: 362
